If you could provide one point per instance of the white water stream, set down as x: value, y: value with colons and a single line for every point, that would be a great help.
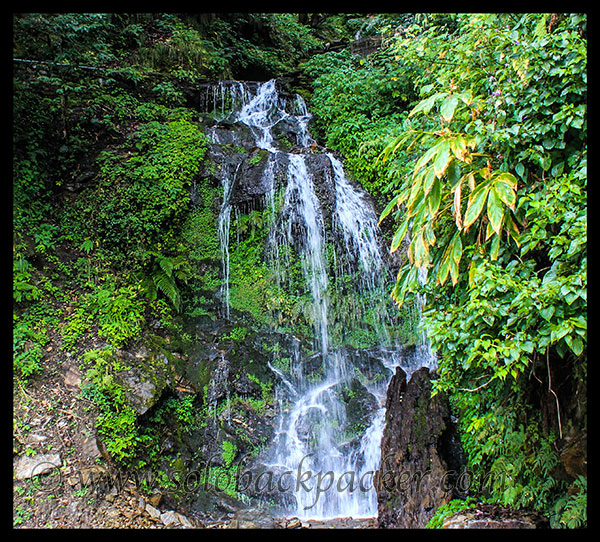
x: 311, y: 435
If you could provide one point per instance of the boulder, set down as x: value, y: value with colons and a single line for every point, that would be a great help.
x: 420, y: 452
x: 145, y: 379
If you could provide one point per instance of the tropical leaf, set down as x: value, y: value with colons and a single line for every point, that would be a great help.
x: 475, y: 204
x: 435, y: 197
x: 505, y: 192
x: 448, y: 107
x: 399, y: 236
x: 457, y: 211
x: 443, y: 157
x: 495, y: 210
x: 426, y: 104
x: 389, y: 207
x: 428, y: 155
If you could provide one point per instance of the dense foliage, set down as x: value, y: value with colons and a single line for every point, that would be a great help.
x: 487, y: 169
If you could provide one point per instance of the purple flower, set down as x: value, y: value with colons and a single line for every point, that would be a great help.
x: 496, y: 93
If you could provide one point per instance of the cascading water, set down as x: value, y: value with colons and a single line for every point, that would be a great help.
x: 313, y: 433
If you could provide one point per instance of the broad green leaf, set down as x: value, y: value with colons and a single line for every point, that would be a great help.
x: 428, y: 155
x: 513, y: 231
x: 508, y: 178
x: 575, y: 344
x: 442, y: 159
x: 495, y: 248
x: 466, y: 97
x: 470, y: 181
x: 426, y: 104
x: 388, y: 209
x: 421, y: 253
x: 429, y: 234
x: 506, y: 193
x: 475, y: 205
x: 458, y: 145
x: 444, y: 267
x: 453, y: 172
x: 448, y: 107
x: 454, y: 272
x: 435, y: 196
x: 547, y: 312
x: 457, y: 248
x: 416, y: 193
x: 428, y: 182
x: 495, y: 211
x: 399, y: 235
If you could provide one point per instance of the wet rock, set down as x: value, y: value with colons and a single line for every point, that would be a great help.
x: 28, y: 467
x: 293, y: 523
x: 420, y: 453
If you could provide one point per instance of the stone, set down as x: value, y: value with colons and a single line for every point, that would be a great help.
x: 93, y: 475
x: 252, y: 518
x: 293, y: 523
x: 492, y: 516
x: 34, y: 438
x: 73, y: 378
x: 146, y: 378
x: 153, y: 512
x: 90, y: 448
x: 28, y: 467
x: 155, y: 499
x: 420, y: 451
x: 169, y: 517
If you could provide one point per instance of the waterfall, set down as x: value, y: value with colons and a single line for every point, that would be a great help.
x: 314, y: 434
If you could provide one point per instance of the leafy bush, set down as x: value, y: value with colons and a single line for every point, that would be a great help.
x: 494, y: 211
x: 357, y: 103
x: 117, y: 421
x: 116, y: 311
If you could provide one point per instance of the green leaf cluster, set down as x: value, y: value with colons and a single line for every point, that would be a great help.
x: 493, y: 214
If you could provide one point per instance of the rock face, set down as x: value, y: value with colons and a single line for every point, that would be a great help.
x: 420, y: 451
x: 491, y: 516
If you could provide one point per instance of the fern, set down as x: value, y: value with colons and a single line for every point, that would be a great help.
x: 165, y: 270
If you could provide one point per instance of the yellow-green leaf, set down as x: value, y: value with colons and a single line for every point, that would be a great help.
x: 426, y: 104
x: 442, y: 159
x: 421, y: 253
x: 508, y: 178
x: 435, y: 196
x: 457, y: 211
x: 428, y: 155
x: 475, y: 205
x: 448, y: 107
x: 399, y: 236
x: 495, y: 210
x: 388, y: 208
x: 457, y: 248
x: 505, y: 192
x: 428, y: 182
x: 444, y: 267
x: 458, y: 145
x: 495, y: 247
